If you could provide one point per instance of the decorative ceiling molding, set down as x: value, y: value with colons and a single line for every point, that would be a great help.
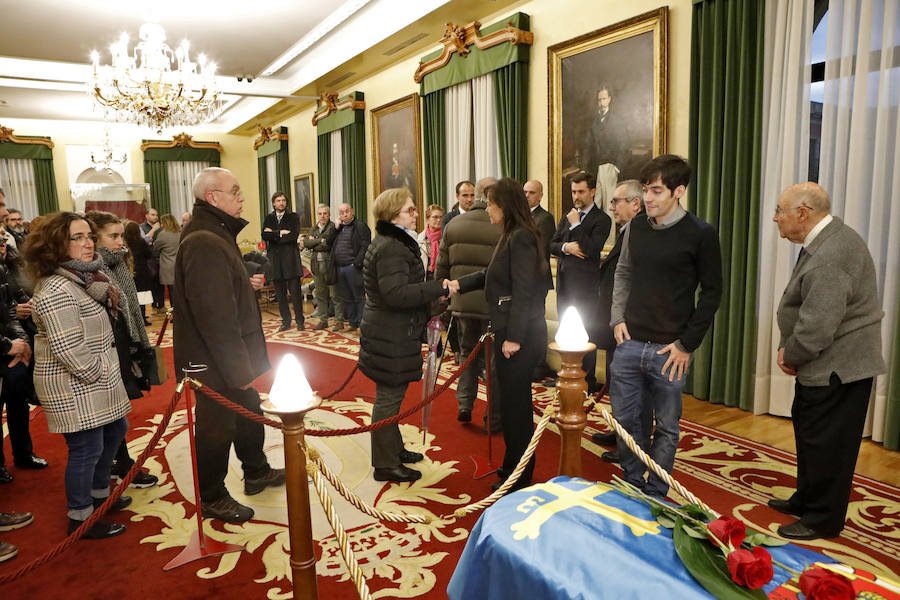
x: 268, y: 134
x: 6, y: 135
x: 329, y: 103
x: 182, y: 140
x: 458, y: 38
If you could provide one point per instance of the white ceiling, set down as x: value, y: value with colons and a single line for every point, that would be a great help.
x: 45, y: 46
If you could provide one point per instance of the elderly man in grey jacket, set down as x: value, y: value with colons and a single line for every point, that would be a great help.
x: 830, y: 322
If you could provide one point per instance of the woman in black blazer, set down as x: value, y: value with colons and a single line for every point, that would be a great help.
x: 515, y: 284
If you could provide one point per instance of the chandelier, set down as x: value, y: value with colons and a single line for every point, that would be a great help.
x: 143, y: 87
x: 108, y: 159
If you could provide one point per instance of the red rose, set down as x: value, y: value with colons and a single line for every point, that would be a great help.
x: 750, y: 569
x: 261, y: 245
x: 728, y: 530
x: 822, y: 584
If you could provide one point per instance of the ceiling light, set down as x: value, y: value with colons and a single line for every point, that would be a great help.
x: 142, y: 87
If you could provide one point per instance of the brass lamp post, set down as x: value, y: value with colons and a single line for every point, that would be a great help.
x: 291, y: 398
x: 572, y: 344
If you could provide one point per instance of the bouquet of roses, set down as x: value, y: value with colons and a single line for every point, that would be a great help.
x: 727, y: 558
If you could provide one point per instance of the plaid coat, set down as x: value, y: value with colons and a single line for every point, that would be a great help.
x: 76, y: 369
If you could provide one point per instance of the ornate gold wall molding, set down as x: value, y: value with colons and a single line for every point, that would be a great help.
x: 6, y: 135
x: 182, y: 140
x: 458, y: 38
x: 268, y: 134
x: 329, y: 103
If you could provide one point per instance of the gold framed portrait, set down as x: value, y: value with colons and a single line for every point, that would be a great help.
x: 607, y: 92
x: 397, y: 150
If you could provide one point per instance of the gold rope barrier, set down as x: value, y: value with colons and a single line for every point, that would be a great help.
x: 651, y: 464
x: 346, y: 551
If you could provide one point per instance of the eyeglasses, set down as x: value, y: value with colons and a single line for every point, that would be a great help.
x: 781, y: 211
x: 615, y: 201
x: 233, y: 192
x: 410, y: 211
x: 82, y: 239
x: 436, y: 216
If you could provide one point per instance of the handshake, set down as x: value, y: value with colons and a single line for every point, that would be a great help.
x: 452, y: 287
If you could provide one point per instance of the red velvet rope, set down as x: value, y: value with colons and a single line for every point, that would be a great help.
x: 343, y: 385
x: 98, y: 513
x: 336, y: 432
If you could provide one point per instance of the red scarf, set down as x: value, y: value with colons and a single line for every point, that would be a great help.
x: 434, y: 236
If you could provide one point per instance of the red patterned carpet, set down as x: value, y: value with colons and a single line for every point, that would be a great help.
x: 734, y: 475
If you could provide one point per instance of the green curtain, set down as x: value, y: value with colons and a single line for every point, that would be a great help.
x: 511, y: 99
x: 323, y: 160
x: 283, y: 173
x: 435, y: 160
x: 353, y: 166
x: 263, y: 188
x: 156, y: 173
x: 45, y: 186
x: 725, y: 148
x: 892, y: 417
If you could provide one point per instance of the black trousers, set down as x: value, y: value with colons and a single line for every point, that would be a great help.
x: 585, y: 305
x: 217, y: 429
x: 159, y: 294
x: 828, y: 427
x: 282, y: 288
x: 514, y: 375
x: 14, y: 395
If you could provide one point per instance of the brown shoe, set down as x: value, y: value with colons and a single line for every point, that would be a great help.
x: 10, y: 521
x: 323, y: 324
x: 349, y: 328
x: 338, y: 326
x: 274, y: 477
x: 7, y: 551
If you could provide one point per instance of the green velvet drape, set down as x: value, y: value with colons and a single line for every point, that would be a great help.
x: 511, y: 100
x: 435, y: 159
x: 263, y: 188
x: 45, y: 186
x: 725, y: 149
x: 323, y: 161
x: 892, y: 418
x: 156, y: 173
x: 353, y: 166
x: 282, y: 175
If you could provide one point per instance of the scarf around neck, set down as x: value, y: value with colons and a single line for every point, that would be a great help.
x: 95, y: 282
x: 116, y: 269
x: 434, y: 237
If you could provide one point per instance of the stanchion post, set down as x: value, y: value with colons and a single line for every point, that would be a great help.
x: 572, y: 388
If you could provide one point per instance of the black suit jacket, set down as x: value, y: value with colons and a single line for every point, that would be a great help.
x: 546, y: 226
x: 281, y: 250
x: 515, y: 285
x: 576, y: 278
x: 448, y: 216
x: 605, y: 142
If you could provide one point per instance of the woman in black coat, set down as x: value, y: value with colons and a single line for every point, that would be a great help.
x: 142, y: 255
x: 396, y: 311
x: 515, y: 284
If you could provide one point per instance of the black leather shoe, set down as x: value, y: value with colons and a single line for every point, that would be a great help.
x: 498, y: 428
x: 227, y: 509
x: 99, y: 530
x: 398, y: 473
x: 464, y: 415
x: 33, y: 462
x: 611, y: 456
x: 273, y: 478
x: 785, y: 506
x: 410, y: 457
x: 301, y: 325
x: 5, y: 475
x: 120, y: 504
x: 284, y: 327
x: 604, y: 439
x: 323, y: 324
x: 799, y: 531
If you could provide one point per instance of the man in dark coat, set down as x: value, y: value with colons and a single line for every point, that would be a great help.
x: 321, y: 262
x: 465, y: 196
x: 281, y: 229
x: 350, y: 243
x: 546, y: 225
x: 578, y: 241
x: 219, y: 325
x: 606, y: 140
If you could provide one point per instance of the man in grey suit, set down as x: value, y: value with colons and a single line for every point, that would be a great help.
x: 830, y: 323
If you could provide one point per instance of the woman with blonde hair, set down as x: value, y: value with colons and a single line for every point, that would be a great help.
x: 430, y: 238
x: 396, y: 311
x: 165, y: 248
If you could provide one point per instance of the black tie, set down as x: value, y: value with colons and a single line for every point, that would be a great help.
x: 802, y: 254
x: 580, y: 215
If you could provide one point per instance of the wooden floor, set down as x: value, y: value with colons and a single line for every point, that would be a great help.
x: 874, y: 461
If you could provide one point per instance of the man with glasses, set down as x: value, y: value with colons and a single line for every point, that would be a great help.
x: 219, y: 325
x: 15, y: 226
x: 830, y: 322
x: 467, y: 244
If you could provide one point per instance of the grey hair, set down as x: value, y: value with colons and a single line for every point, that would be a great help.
x: 323, y: 206
x: 481, y: 188
x: 633, y: 189
x: 811, y: 194
x: 205, y: 180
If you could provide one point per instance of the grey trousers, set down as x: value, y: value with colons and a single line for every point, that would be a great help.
x: 325, y: 295
x: 470, y: 331
x: 387, y: 443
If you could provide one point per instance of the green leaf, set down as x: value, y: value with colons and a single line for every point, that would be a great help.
x: 665, y: 520
x: 707, y: 565
x: 755, y: 538
x: 694, y: 532
x: 698, y: 513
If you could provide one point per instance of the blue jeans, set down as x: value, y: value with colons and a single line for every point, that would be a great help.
x: 350, y: 289
x: 639, y: 389
x: 91, y: 454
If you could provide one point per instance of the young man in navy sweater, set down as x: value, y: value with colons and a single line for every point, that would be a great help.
x: 656, y: 321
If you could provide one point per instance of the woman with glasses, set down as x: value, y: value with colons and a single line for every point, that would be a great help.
x: 396, y: 311
x: 76, y: 371
x: 165, y: 248
x: 430, y: 239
